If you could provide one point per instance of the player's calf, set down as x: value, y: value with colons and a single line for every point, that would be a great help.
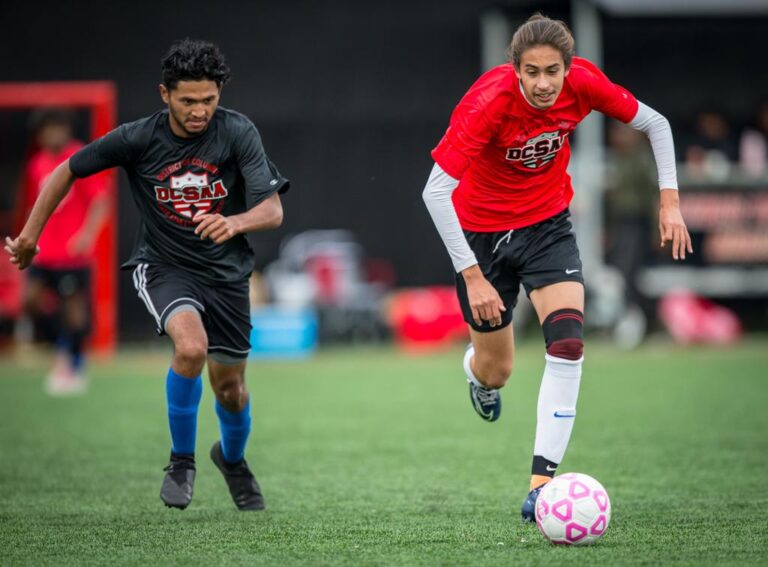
x: 491, y: 372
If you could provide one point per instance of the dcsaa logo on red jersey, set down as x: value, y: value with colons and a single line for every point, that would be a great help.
x: 538, y: 151
x: 191, y: 194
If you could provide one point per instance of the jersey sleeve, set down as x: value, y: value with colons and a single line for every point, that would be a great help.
x: 468, y: 133
x: 261, y: 176
x: 609, y: 98
x: 117, y: 148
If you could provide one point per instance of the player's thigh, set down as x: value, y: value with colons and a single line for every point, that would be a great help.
x: 491, y: 251
x: 185, y: 328
x: 562, y: 295
x: 494, y: 350
x: 551, y: 266
x: 166, y: 292
x: 34, y: 289
x: 228, y: 323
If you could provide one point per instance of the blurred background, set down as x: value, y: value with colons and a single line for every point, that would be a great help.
x: 350, y: 97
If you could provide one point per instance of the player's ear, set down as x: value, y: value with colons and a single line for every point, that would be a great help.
x: 164, y: 94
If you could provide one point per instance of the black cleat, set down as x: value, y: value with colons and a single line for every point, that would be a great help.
x: 528, y: 511
x: 179, y: 482
x: 242, y: 485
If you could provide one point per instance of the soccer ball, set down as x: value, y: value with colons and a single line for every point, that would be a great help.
x: 573, y: 509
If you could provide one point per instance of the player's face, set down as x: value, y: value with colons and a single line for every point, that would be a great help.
x: 542, y: 73
x: 54, y: 137
x: 191, y: 105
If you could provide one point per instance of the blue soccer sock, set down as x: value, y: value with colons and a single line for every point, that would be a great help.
x: 235, y: 428
x: 183, y: 395
x: 76, y: 351
x: 71, y: 344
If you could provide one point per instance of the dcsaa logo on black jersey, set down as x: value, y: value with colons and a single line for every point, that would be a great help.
x: 538, y: 151
x: 191, y: 194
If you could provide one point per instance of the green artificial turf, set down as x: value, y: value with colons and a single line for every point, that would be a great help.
x: 373, y: 457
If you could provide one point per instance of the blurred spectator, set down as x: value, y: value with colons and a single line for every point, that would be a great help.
x: 753, y: 147
x: 711, y: 149
x: 632, y: 198
x: 57, y: 294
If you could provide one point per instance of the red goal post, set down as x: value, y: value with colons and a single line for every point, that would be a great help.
x: 100, y: 99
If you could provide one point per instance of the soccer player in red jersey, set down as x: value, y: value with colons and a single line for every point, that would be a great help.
x: 499, y: 194
x: 63, y: 266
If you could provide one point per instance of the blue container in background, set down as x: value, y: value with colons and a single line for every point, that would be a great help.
x: 279, y: 332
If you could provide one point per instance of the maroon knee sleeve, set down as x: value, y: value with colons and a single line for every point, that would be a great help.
x: 563, y: 333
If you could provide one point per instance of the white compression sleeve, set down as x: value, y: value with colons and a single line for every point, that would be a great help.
x: 437, y: 196
x: 656, y: 127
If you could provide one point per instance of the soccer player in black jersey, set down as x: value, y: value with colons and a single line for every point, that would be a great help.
x: 200, y: 178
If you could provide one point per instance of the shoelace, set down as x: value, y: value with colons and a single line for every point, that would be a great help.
x: 175, y: 466
x: 240, y: 470
x: 486, y: 395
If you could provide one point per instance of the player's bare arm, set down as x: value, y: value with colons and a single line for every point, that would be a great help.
x: 484, y: 300
x: 672, y: 226
x: 84, y: 240
x: 24, y: 247
x: 266, y: 215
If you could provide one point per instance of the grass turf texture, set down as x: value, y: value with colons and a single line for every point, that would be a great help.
x: 371, y: 457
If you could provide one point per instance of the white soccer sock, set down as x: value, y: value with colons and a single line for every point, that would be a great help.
x: 557, y: 407
x: 468, y: 369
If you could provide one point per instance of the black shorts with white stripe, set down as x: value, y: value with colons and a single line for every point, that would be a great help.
x: 224, y: 308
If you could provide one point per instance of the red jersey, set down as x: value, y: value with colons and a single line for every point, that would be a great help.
x: 511, y: 158
x: 68, y: 218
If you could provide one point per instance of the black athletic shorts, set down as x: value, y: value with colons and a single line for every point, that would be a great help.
x: 224, y: 307
x: 65, y: 282
x: 537, y: 255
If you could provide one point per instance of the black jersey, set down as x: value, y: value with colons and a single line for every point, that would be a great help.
x: 223, y: 170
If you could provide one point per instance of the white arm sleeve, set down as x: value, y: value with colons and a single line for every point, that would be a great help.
x: 437, y: 196
x: 656, y: 127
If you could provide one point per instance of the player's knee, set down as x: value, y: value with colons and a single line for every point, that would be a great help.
x: 493, y: 373
x: 232, y: 394
x: 75, y: 315
x: 564, y: 334
x: 31, y: 305
x: 191, y: 353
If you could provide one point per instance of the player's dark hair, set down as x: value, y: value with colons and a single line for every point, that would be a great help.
x: 540, y: 30
x: 43, y: 117
x: 194, y: 60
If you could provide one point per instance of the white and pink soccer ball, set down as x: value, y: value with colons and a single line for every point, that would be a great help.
x: 573, y: 509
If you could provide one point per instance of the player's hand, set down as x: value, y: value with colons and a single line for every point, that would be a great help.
x: 484, y: 300
x: 216, y: 227
x: 21, y: 250
x: 672, y: 226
